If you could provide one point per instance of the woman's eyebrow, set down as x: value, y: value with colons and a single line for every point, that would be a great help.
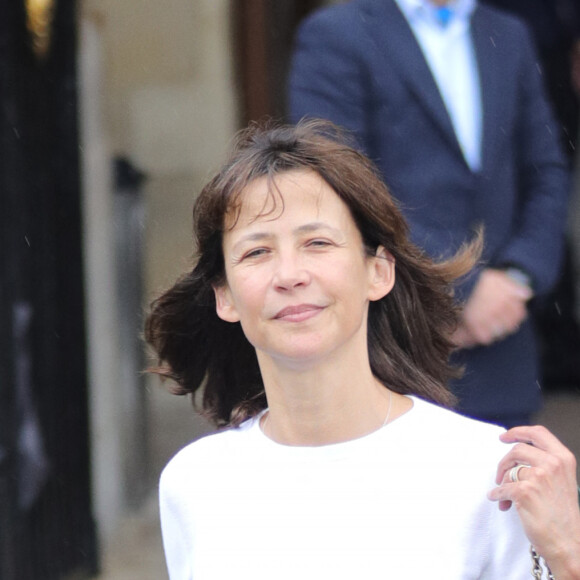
x: 253, y: 237
x: 263, y: 235
x: 315, y: 226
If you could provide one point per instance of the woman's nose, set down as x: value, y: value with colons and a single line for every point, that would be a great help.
x: 290, y: 273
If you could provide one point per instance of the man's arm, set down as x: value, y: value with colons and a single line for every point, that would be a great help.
x: 544, y: 182
x: 327, y: 75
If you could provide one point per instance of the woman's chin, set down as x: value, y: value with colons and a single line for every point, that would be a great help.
x: 300, y: 356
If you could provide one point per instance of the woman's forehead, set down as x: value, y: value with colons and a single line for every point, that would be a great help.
x: 266, y: 197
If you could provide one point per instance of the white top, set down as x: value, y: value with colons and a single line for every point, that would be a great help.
x: 450, y: 55
x: 407, y: 501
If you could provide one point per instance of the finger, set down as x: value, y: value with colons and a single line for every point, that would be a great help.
x: 518, y: 316
x: 503, y: 495
x: 511, y: 476
x: 504, y: 320
x: 519, y: 472
x: 521, y: 454
x: 536, y: 435
x: 505, y: 505
x: 507, y: 491
x: 512, y: 316
x: 500, y: 497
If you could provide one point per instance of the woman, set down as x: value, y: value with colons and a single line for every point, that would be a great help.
x: 321, y: 337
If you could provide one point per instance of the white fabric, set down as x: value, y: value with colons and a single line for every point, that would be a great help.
x: 450, y: 55
x: 407, y: 502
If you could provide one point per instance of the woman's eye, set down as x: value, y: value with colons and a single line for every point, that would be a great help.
x: 318, y: 243
x: 255, y: 253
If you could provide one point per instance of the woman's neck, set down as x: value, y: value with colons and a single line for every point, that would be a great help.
x: 324, y: 404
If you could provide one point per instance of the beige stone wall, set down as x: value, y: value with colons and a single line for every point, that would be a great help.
x: 169, y: 103
x: 165, y: 98
x: 167, y: 68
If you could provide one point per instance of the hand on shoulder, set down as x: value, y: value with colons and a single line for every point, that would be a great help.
x: 545, y: 493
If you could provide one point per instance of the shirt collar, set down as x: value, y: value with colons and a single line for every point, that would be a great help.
x: 416, y: 9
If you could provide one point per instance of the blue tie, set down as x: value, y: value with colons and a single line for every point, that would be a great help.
x: 444, y: 14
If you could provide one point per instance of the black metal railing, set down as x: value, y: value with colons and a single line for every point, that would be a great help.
x: 46, y: 525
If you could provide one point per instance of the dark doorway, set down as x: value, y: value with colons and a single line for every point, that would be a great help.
x: 264, y: 31
x: 46, y: 529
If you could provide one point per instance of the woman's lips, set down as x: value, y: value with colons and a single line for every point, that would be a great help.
x: 298, y: 313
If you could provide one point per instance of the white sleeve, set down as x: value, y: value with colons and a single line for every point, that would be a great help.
x: 509, y: 557
x: 174, y: 529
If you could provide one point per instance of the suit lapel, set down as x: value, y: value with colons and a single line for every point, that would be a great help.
x: 396, y: 42
x: 490, y: 64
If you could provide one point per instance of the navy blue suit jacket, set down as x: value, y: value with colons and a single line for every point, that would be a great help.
x: 359, y: 65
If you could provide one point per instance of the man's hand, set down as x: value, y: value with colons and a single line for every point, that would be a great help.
x: 495, y: 309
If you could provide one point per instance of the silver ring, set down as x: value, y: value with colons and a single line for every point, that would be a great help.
x: 514, y: 471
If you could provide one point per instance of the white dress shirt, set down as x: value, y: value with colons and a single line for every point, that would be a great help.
x: 449, y: 52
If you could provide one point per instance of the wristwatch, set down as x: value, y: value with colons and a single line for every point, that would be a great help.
x: 519, y: 276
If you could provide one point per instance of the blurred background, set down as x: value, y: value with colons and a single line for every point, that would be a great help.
x: 112, y: 115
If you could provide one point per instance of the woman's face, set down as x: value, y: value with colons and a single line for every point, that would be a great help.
x: 298, y: 278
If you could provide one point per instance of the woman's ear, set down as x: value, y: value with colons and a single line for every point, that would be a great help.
x: 224, y: 304
x: 382, y: 274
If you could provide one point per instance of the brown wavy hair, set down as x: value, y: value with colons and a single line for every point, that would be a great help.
x: 409, y: 329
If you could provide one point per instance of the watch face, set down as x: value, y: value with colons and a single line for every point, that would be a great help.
x: 519, y: 276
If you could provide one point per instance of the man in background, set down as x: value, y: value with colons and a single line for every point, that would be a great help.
x: 555, y: 25
x: 447, y: 98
